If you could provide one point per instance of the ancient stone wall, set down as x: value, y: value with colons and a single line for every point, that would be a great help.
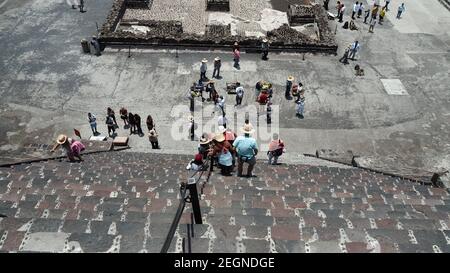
x: 139, y: 4
x: 301, y: 14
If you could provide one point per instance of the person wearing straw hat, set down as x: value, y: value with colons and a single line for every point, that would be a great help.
x: 72, y: 147
x: 289, y: 82
x: 223, y: 151
x: 276, y: 149
x: 217, y: 65
x: 153, y: 138
x: 203, y: 69
x: 246, y: 149
x: 265, y: 49
x: 204, y: 145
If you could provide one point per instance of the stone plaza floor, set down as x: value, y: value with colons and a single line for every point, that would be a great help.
x: 397, y: 114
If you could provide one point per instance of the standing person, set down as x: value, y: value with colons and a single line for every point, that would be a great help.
x: 387, y: 4
x: 124, y: 115
x: 341, y: 14
x: 210, y: 88
x: 374, y: 14
x: 258, y: 88
x: 366, y: 15
x: 82, y: 6
x: 93, y: 122
x: 262, y: 100
x: 236, y: 46
x: 265, y: 49
x: 338, y: 8
x: 382, y: 14
x: 96, y: 45
x: 239, y: 93
x: 137, y: 120
x: 153, y: 138
x: 276, y: 149
x: 401, y: 9
x: 72, y: 147
x: 325, y: 4
x: 360, y: 9
x: 132, y: 123
x: 354, y: 49
x: 215, y: 99
x: 344, y: 58
x: 372, y: 25
x: 269, y: 112
x: 110, y: 123
x: 355, y: 9
x: 236, y: 58
x: 217, y: 65
x: 149, y: 122
x: 287, y: 93
x: 300, y: 106
x: 111, y: 113
x: 191, y: 128
x: 223, y: 151
x: 203, y: 69
x: 246, y: 149
x: 222, y: 121
x: 221, y: 104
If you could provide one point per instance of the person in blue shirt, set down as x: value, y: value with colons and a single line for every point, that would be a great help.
x: 401, y: 9
x: 246, y: 149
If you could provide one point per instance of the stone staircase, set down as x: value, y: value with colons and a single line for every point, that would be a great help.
x: 125, y: 202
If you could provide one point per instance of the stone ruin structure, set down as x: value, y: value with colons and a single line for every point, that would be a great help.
x: 134, y: 23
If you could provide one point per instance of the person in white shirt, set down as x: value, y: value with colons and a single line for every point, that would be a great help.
x: 355, y: 9
x: 222, y: 121
x: 341, y: 14
x: 239, y: 94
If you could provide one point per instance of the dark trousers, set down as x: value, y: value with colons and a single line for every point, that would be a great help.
x: 344, y: 58
x: 132, y: 128
x: 139, y: 129
x: 340, y: 17
x: 216, y: 69
x: 353, y: 15
x: 238, y: 100
x: 154, y: 144
x: 264, y: 54
x: 251, y: 164
x: 225, y: 170
x: 236, y: 62
x: 365, y: 18
x: 111, y: 128
x: 202, y: 75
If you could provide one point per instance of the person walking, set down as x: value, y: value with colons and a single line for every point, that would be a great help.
x: 81, y: 6
x: 338, y: 8
x: 123, y: 112
x: 381, y: 16
x: 247, y: 149
x: 341, y: 14
x: 366, y: 15
x: 300, y: 106
x: 93, y: 123
x: 111, y: 128
x: 221, y: 104
x: 258, y: 88
x: 325, y: 4
x: 222, y: 121
x: 344, y: 58
x: 265, y: 49
x: 401, y: 9
x: 386, y: 6
x: 353, y: 50
x: 374, y: 14
x: 360, y: 9
x: 111, y: 113
x: 137, y: 120
x: 288, y: 90
x: 72, y: 147
x: 132, y: 123
x: 149, y: 122
x: 203, y: 69
x: 217, y: 65
x: 355, y: 9
x: 153, y: 138
x: 269, y: 112
x: 236, y: 58
x: 372, y: 25
x: 239, y: 93
x: 276, y: 149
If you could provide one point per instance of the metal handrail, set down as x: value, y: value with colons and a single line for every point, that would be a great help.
x: 184, y: 197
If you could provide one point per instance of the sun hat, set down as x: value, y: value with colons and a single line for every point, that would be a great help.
x: 204, y: 60
x: 290, y: 78
x: 219, y: 137
x: 221, y: 129
x: 217, y: 59
x: 152, y: 132
x: 264, y: 40
x: 204, y: 139
x: 247, y: 129
x: 61, y: 139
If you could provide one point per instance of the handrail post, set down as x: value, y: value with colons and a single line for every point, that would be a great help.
x: 195, y: 203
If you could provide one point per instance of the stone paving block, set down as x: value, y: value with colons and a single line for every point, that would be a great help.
x: 261, y: 220
x: 74, y: 226
x: 430, y: 237
x: 45, y: 225
x: 159, y: 230
x: 112, y: 216
x: 131, y: 243
x: 256, y: 246
x: 429, y: 224
x: 256, y: 232
x: 390, y: 236
x: 222, y: 245
x: 289, y: 246
x: 285, y: 232
x: 91, y: 243
x: 324, y: 247
x: 100, y: 227
x: 415, y: 248
x: 199, y: 245
x: 13, y: 240
x: 135, y: 216
x: 357, y: 247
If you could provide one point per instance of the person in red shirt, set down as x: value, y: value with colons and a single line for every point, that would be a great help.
x: 276, y: 149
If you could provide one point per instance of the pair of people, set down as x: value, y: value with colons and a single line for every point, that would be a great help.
x: 73, y: 148
x: 134, y: 121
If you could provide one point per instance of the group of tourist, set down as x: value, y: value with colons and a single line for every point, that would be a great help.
x: 131, y: 121
x: 224, y: 149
